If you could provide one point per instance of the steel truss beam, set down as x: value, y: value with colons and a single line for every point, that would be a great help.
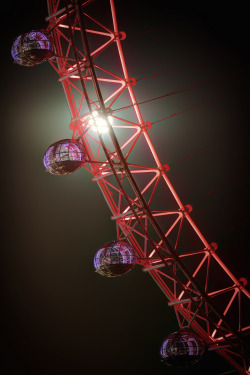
x: 144, y: 204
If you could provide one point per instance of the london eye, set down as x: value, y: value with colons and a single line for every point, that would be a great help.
x: 135, y: 150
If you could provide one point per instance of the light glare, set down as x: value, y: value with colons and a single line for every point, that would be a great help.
x: 98, y: 123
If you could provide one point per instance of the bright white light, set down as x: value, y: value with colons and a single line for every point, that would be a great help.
x: 98, y: 122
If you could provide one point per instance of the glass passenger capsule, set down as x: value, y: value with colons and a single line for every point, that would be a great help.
x: 64, y: 157
x: 32, y: 48
x: 115, y: 259
x: 182, y: 349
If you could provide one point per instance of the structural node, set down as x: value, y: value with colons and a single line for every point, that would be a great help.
x: 182, y: 349
x: 64, y: 157
x: 114, y: 259
x: 32, y: 48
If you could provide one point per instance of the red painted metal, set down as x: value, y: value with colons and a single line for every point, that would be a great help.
x: 144, y: 204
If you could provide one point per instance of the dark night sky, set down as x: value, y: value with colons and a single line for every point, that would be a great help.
x: 58, y: 315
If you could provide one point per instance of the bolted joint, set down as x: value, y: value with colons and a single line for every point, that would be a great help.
x: 188, y: 208
x: 214, y: 246
x: 109, y: 111
x: 132, y: 81
x: 147, y: 125
x: 243, y: 281
x: 120, y: 36
x: 166, y: 168
x: 86, y: 65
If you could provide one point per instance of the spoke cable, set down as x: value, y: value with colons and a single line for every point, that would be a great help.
x: 228, y: 181
x: 195, y: 85
x: 188, y: 109
x: 208, y: 145
x: 172, y: 71
x: 227, y: 234
x: 159, y: 29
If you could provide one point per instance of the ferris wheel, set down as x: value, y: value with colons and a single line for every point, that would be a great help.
x: 109, y: 136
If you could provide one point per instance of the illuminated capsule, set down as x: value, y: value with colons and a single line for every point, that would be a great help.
x: 114, y: 259
x: 32, y: 48
x: 64, y: 157
x: 182, y: 349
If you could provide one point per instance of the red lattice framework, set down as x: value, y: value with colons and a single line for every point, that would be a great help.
x: 145, y: 206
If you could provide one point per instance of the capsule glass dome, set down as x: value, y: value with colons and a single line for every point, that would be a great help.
x: 32, y: 48
x: 64, y: 157
x: 182, y: 349
x: 115, y: 259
